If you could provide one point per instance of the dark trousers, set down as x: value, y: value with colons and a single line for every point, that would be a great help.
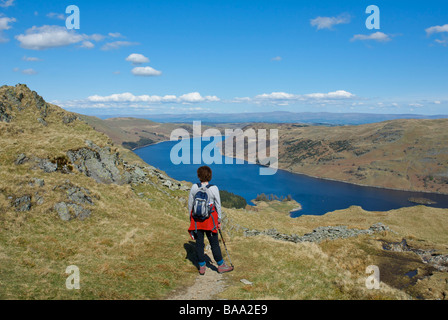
x: 214, y: 243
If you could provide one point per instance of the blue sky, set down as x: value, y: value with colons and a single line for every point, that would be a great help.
x: 152, y: 57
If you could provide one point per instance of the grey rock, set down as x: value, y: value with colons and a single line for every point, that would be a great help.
x: 69, y: 119
x: 62, y: 209
x: 319, y: 234
x: 79, y: 195
x: 39, y: 200
x: 97, y: 163
x: 246, y: 282
x: 4, y: 116
x: 80, y: 212
x: 37, y: 182
x: 47, y: 166
x: 21, y: 158
x: 42, y: 121
x: 22, y: 203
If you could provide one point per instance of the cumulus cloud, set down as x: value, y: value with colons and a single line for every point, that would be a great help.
x: 58, y: 16
x: 117, y: 45
x: 436, y: 29
x: 115, y: 35
x: 87, y: 45
x: 137, y: 58
x: 46, y: 37
x: 284, y: 98
x: 145, y: 72
x: 5, y: 25
x: 339, y: 94
x: 329, y: 22
x: 52, y: 36
x: 193, y: 97
x: 277, y: 58
x: 377, y: 36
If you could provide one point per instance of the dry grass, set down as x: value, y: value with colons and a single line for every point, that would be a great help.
x: 133, y: 245
x: 336, y: 269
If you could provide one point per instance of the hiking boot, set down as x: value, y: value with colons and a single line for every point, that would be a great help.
x: 202, y: 270
x: 224, y: 268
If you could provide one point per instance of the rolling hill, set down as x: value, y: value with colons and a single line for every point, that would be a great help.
x: 70, y: 196
x: 399, y: 154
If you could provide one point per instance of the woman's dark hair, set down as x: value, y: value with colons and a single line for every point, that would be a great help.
x: 204, y: 174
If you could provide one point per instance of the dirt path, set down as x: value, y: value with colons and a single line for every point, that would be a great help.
x: 205, y: 287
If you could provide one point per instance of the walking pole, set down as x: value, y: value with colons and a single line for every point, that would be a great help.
x: 222, y: 238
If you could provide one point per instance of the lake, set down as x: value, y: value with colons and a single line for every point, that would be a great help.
x: 317, y: 196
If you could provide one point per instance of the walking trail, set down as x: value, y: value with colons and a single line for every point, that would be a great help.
x: 205, y: 287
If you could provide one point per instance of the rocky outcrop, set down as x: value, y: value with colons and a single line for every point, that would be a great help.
x: 438, y: 261
x: 22, y: 203
x: 106, y: 166
x: 319, y: 234
x: 77, y: 203
x: 19, y: 98
x: 98, y: 163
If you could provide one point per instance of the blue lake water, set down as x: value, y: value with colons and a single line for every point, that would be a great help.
x: 317, y: 196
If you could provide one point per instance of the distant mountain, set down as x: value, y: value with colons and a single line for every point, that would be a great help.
x: 286, y: 117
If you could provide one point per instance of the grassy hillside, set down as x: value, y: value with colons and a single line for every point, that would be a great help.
x: 131, y: 245
x: 400, y: 154
x: 70, y: 196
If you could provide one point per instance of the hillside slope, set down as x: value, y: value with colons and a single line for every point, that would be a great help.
x: 69, y: 196
x: 399, y: 154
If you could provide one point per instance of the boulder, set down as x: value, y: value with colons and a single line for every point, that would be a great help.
x: 98, y: 163
x: 21, y: 158
x: 47, y: 166
x: 22, y: 203
x: 62, y: 210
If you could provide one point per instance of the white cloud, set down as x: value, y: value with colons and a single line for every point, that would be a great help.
x: 116, y: 35
x: 25, y: 58
x: 137, y: 58
x: 276, y: 96
x: 46, y: 37
x: 6, y: 3
x: 193, y: 97
x: 118, y: 44
x: 329, y: 22
x: 436, y: 29
x: 54, y: 15
x: 87, y: 45
x: 52, y: 36
x: 282, y: 98
x: 145, y: 72
x: 339, y: 94
x: 442, y: 42
x: 4, y: 23
x: 26, y: 71
x: 437, y: 102
x: 29, y: 71
x: 377, y: 36
x: 277, y: 58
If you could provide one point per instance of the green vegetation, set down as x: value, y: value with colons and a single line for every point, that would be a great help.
x: 140, y: 143
x: 231, y: 200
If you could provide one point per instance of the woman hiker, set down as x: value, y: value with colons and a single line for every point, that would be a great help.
x: 207, y: 194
